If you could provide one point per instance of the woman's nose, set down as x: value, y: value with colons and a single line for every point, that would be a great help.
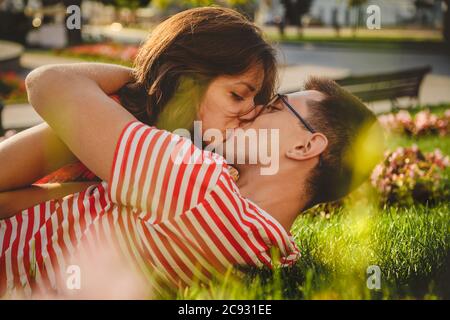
x: 252, y: 113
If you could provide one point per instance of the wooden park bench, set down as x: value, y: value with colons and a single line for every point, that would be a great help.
x: 387, y: 86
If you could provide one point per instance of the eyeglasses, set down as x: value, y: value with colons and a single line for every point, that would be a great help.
x: 305, y: 123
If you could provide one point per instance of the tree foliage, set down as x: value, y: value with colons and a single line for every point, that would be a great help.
x: 132, y: 4
x: 163, y: 4
x: 247, y: 7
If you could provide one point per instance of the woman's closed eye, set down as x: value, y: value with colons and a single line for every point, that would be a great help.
x: 237, y: 97
x: 246, y: 104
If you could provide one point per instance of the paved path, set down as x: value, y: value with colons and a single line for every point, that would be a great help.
x: 435, y: 88
x: 363, y: 61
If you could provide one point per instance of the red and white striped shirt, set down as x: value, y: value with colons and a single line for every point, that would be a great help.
x: 170, y: 208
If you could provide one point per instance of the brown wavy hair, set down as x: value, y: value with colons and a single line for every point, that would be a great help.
x: 201, y: 43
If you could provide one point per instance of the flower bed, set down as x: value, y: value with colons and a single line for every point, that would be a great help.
x: 12, y: 88
x: 108, y: 52
x: 423, y: 123
x: 407, y: 176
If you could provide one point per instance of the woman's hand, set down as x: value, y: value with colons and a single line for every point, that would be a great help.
x: 13, y: 202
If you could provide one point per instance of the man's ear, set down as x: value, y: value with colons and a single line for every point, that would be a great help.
x: 309, y: 148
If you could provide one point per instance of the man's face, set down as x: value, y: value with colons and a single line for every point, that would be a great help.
x: 280, y: 117
x: 277, y: 119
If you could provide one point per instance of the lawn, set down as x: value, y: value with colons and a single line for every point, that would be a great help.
x: 410, y: 245
x: 367, y: 40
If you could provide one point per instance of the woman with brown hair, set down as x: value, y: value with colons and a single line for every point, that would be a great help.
x: 185, y: 65
x: 209, y: 64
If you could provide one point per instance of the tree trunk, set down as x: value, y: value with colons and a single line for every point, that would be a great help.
x: 281, y: 28
x: 446, y: 27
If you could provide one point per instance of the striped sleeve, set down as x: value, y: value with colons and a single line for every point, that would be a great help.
x: 159, y: 173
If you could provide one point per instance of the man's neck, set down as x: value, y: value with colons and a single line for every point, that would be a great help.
x: 280, y: 195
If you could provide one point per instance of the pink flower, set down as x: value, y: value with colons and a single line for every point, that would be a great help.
x: 407, y: 175
x: 424, y: 122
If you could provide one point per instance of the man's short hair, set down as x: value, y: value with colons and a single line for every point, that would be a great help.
x: 345, y: 121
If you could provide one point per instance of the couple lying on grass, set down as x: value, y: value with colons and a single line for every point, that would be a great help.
x: 165, y: 212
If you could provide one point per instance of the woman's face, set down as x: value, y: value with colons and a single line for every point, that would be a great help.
x: 230, y: 99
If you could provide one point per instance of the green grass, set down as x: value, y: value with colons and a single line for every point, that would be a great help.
x: 92, y: 58
x: 358, y: 38
x: 425, y: 144
x: 410, y: 245
x: 362, y: 42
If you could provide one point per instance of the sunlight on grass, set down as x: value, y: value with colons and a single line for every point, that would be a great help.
x: 410, y: 245
x: 426, y: 144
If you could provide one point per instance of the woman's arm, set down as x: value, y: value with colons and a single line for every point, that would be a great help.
x: 94, y: 127
x: 77, y: 107
x: 36, y: 152
x: 13, y: 202
x: 108, y: 77
x: 31, y: 155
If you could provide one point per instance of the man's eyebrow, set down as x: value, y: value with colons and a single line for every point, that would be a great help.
x: 251, y: 88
